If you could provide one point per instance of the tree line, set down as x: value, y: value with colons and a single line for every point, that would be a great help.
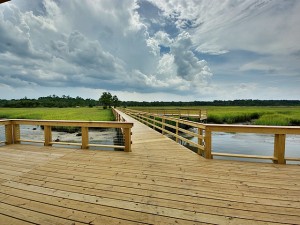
x: 49, y: 101
x: 108, y: 100
x: 239, y: 102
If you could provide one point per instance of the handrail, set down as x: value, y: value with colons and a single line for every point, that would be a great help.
x: 279, y: 132
x: 126, y: 131
x: 166, y: 124
x: 181, y: 112
x: 205, y: 131
x: 118, y: 116
x: 12, y: 131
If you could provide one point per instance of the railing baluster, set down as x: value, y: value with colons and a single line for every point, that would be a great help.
x: 200, y: 141
x: 16, y: 133
x: 127, y: 137
x: 47, y: 135
x: 8, y: 134
x: 84, y: 137
x: 163, y: 126
x: 279, y: 149
x: 177, y: 131
x: 208, y: 154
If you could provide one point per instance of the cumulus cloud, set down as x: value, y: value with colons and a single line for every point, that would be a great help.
x: 108, y: 48
x: 147, y: 46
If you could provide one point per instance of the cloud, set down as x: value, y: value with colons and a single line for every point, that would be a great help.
x: 108, y: 48
x: 189, y: 67
x: 183, y: 48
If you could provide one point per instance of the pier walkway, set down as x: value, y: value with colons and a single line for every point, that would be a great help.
x: 159, y: 182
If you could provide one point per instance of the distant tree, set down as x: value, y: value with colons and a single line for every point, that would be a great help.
x: 106, y: 100
x: 115, y: 101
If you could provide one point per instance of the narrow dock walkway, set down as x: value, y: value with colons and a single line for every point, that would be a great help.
x: 159, y: 182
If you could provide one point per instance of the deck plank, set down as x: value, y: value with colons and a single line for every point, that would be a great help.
x: 159, y: 182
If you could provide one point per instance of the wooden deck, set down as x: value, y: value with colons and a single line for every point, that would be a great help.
x: 159, y: 182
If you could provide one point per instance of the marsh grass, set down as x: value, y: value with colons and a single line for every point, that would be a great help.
x: 277, y: 116
x: 273, y: 119
x: 84, y: 114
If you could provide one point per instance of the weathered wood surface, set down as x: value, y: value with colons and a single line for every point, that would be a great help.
x: 159, y: 182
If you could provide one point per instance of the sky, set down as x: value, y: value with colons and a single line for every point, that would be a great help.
x: 151, y: 50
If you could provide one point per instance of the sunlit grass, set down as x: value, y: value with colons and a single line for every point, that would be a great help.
x: 84, y: 113
x: 277, y: 116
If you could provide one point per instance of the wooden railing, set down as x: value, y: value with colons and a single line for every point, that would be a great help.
x: 118, y: 116
x: 7, y: 125
x: 279, y: 132
x: 126, y: 132
x: 13, y: 136
x: 179, y: 112
x: 173, y: 126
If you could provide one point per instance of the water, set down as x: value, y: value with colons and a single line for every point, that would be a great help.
x: 250, y: 144
x: 236, y: 143
x: 2, y: 133
x: 107, y: 136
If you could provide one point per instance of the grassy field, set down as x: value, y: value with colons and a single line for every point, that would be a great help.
x: 87, y: 114
x: 278, y: 116
x: 281, y: 116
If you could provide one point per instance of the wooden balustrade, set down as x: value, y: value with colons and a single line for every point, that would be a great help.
x: 171, y: 126
x: 8, y: 132
x: 13, y: 135
x: 279, y: 132
x: 126, y: 131
x: 205, y: 131
x: 200, y: 114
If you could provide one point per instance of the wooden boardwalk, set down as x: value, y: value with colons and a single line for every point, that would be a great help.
x: 159, y: 182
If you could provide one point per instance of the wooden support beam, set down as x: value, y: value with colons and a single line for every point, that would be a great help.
x: 16, y: 133
x: 127, y: 139
x: 279, y: 149
x: 200, y: 141
x: 177, y: 131
x: 47, y: 135
x: 208, y: 154
x: 8, y: 134
x: 85, y: 137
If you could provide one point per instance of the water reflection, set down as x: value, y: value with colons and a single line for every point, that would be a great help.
x: 249, y: 144
x: 104, y: 136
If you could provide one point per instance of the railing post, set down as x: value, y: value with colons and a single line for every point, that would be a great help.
x: 127, y: 137
x: 152, y: 121
x: 8, y: 134
x: 176, y: 131
x: 47, y: 135
x: 208, y: 144
x: 16, y: 133
x: 279, y: 149
x: 200, y: 141
x: 84, y: 137
x: 163, y: 126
